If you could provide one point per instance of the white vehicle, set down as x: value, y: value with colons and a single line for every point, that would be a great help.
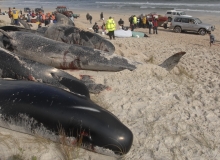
x: 170, y: 14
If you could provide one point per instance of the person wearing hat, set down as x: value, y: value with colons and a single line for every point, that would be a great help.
x: 95, y: 27
x: 110, y: 27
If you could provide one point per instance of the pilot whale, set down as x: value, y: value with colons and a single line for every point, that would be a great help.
x: 73, y: 35
x: 61, y: 55
x: 39, y: 109
x: 17, y: 67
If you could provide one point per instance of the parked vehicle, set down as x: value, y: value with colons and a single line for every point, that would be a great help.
x: 63, y: 10
x: 27, y: 10
x: 170, y: 14
x: 39, y: 10
x: 193, y: 24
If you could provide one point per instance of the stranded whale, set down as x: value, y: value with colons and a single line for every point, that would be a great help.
x: 73, y: 35
x: 17, y: 67
x: 62, y: 55
x: 39, y: 109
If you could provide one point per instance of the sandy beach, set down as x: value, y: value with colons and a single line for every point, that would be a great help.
x: 173, y: 115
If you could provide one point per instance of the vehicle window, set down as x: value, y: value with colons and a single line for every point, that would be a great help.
x: 182, y: 13
x: 197, y: 20
x: 174, y: 13
x: 185, y: 20
x: 191, y: 21
x: 177, y: 19
x: 168, y: 12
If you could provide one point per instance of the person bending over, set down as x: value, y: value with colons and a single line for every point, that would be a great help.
x: 95, y: 27
x: 121, y: 23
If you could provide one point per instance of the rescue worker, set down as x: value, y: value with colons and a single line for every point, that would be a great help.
x: 110, y: 27
x: 135, y: 21
x: 15, y: 15
x: 144, y: 21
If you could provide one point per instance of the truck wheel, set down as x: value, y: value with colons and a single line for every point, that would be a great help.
x: 169, y: 19
x: 177, y: 29
x: 202, y: 32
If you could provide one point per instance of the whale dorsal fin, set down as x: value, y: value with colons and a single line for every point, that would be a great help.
x: 172, y: 61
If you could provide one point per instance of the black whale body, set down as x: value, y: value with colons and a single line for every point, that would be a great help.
x: 39, y: 106
x: 17, y: 67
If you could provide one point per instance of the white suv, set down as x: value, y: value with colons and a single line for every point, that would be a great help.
x: 173, y: 13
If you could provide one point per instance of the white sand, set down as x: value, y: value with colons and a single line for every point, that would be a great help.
x: 173, y: 115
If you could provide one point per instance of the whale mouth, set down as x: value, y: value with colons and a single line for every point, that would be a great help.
x: 26, y: 125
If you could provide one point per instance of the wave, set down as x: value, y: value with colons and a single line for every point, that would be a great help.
x: 198, y: 10
x: 162, y: 4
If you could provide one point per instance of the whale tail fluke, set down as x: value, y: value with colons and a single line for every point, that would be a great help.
x: 172, y: 61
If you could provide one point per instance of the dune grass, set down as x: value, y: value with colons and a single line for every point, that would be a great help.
x: 33, y: 147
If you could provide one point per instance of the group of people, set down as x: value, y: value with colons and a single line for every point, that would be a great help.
x: 143, y: 22
x: 39, y: 16
x: 110, y: 24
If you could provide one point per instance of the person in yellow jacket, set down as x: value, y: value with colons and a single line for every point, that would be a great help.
x: 110, y: 27
x: 15, y: 15
x: 135, y: 21
x: 144, y: 21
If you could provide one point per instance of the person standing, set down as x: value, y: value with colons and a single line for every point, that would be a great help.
x: 121, y: 23
x: 212, y: 38
x: 10, y: 15
x: 131, y: 20
x: 110, y: 27
x: 155, y: 25
x: 15, y: 15
x: 101, y: 16
x: 28, y: 18
x: 150, y: 24
x: 90, y: 19
x: 135, y: 21
x: 144, y: 21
